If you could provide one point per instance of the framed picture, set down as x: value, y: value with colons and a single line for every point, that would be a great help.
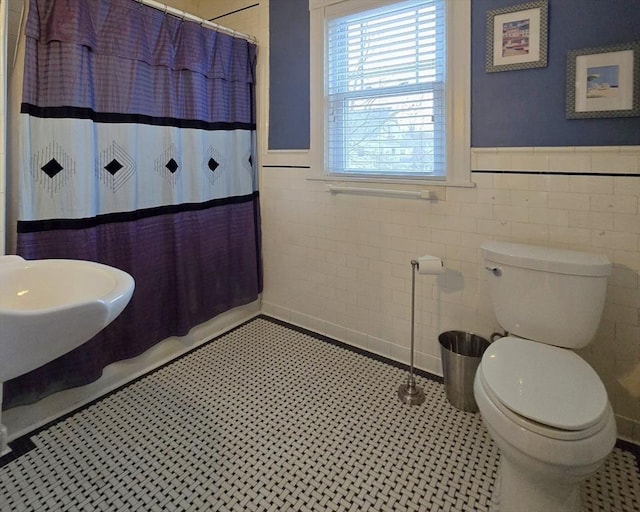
x: 604, y: 82
x: 517, y: 37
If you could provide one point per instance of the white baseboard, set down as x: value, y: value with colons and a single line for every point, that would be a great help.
x: 423, y: 361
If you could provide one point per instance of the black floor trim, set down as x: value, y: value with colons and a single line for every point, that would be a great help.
x: 357, y: 350
x: 18, y: 447
x: 632, y: 448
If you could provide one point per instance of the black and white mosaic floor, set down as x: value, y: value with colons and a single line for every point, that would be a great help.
x: 268, y: 418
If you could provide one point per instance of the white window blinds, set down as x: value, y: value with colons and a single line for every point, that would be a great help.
x: 385, y: 92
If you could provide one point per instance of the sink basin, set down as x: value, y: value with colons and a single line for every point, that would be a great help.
x: 49, y: 307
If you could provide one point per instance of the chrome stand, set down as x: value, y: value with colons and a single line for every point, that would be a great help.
x: 410, y: 393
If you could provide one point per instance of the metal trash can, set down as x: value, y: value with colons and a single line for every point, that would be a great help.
x: 461, y: 354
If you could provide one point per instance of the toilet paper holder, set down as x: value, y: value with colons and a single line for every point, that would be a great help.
x: 410, y: 393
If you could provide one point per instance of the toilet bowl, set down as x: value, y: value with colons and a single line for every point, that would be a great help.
x: 543, y: 405
x: 542, y: 465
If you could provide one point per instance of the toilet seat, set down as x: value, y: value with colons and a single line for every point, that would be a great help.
x: 539, y: 428
x: 545, y: 389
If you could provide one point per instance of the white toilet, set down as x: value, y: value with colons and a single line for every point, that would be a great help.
x: 543, y: 405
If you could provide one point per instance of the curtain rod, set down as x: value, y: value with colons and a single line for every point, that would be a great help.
x: 192, y: 17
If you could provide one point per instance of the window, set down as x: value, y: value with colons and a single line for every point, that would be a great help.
x: 385, y: 108
x: 385, y: 90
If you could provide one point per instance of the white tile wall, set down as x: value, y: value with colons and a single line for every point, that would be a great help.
x: 339, y: 264
x: 578, y: 160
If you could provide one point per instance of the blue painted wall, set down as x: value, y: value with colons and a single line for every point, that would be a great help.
x: 512, y: 108
x: 288, y: 74
x: 527, y: 107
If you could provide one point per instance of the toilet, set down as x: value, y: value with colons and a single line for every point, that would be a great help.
x: 543, y: 405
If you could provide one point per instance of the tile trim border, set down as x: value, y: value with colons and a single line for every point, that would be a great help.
x: 558, y: 173
x: 578, y: 160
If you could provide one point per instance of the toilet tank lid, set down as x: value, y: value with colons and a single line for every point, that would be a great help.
x: 547, y: 259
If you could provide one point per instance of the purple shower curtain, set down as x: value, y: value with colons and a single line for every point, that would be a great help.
x: 137, y: 150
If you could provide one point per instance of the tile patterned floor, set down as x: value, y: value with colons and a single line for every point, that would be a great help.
x: 268, y: 418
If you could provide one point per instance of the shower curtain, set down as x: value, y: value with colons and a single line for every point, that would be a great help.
x: 137, y: 150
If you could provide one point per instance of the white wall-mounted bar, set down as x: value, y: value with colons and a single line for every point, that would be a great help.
x: 415, y: 194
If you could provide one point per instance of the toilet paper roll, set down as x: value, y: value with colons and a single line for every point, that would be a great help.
x: 430, y: 265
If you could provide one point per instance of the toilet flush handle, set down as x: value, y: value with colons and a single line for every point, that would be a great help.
x: 496, y: 271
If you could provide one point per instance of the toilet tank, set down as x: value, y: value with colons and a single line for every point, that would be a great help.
x: 554, y: 296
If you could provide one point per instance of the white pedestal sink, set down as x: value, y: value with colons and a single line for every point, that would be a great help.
x: 49, y: 307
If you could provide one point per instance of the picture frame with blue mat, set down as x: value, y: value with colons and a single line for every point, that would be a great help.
x: 517, y: 37
x: 604, y: 82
